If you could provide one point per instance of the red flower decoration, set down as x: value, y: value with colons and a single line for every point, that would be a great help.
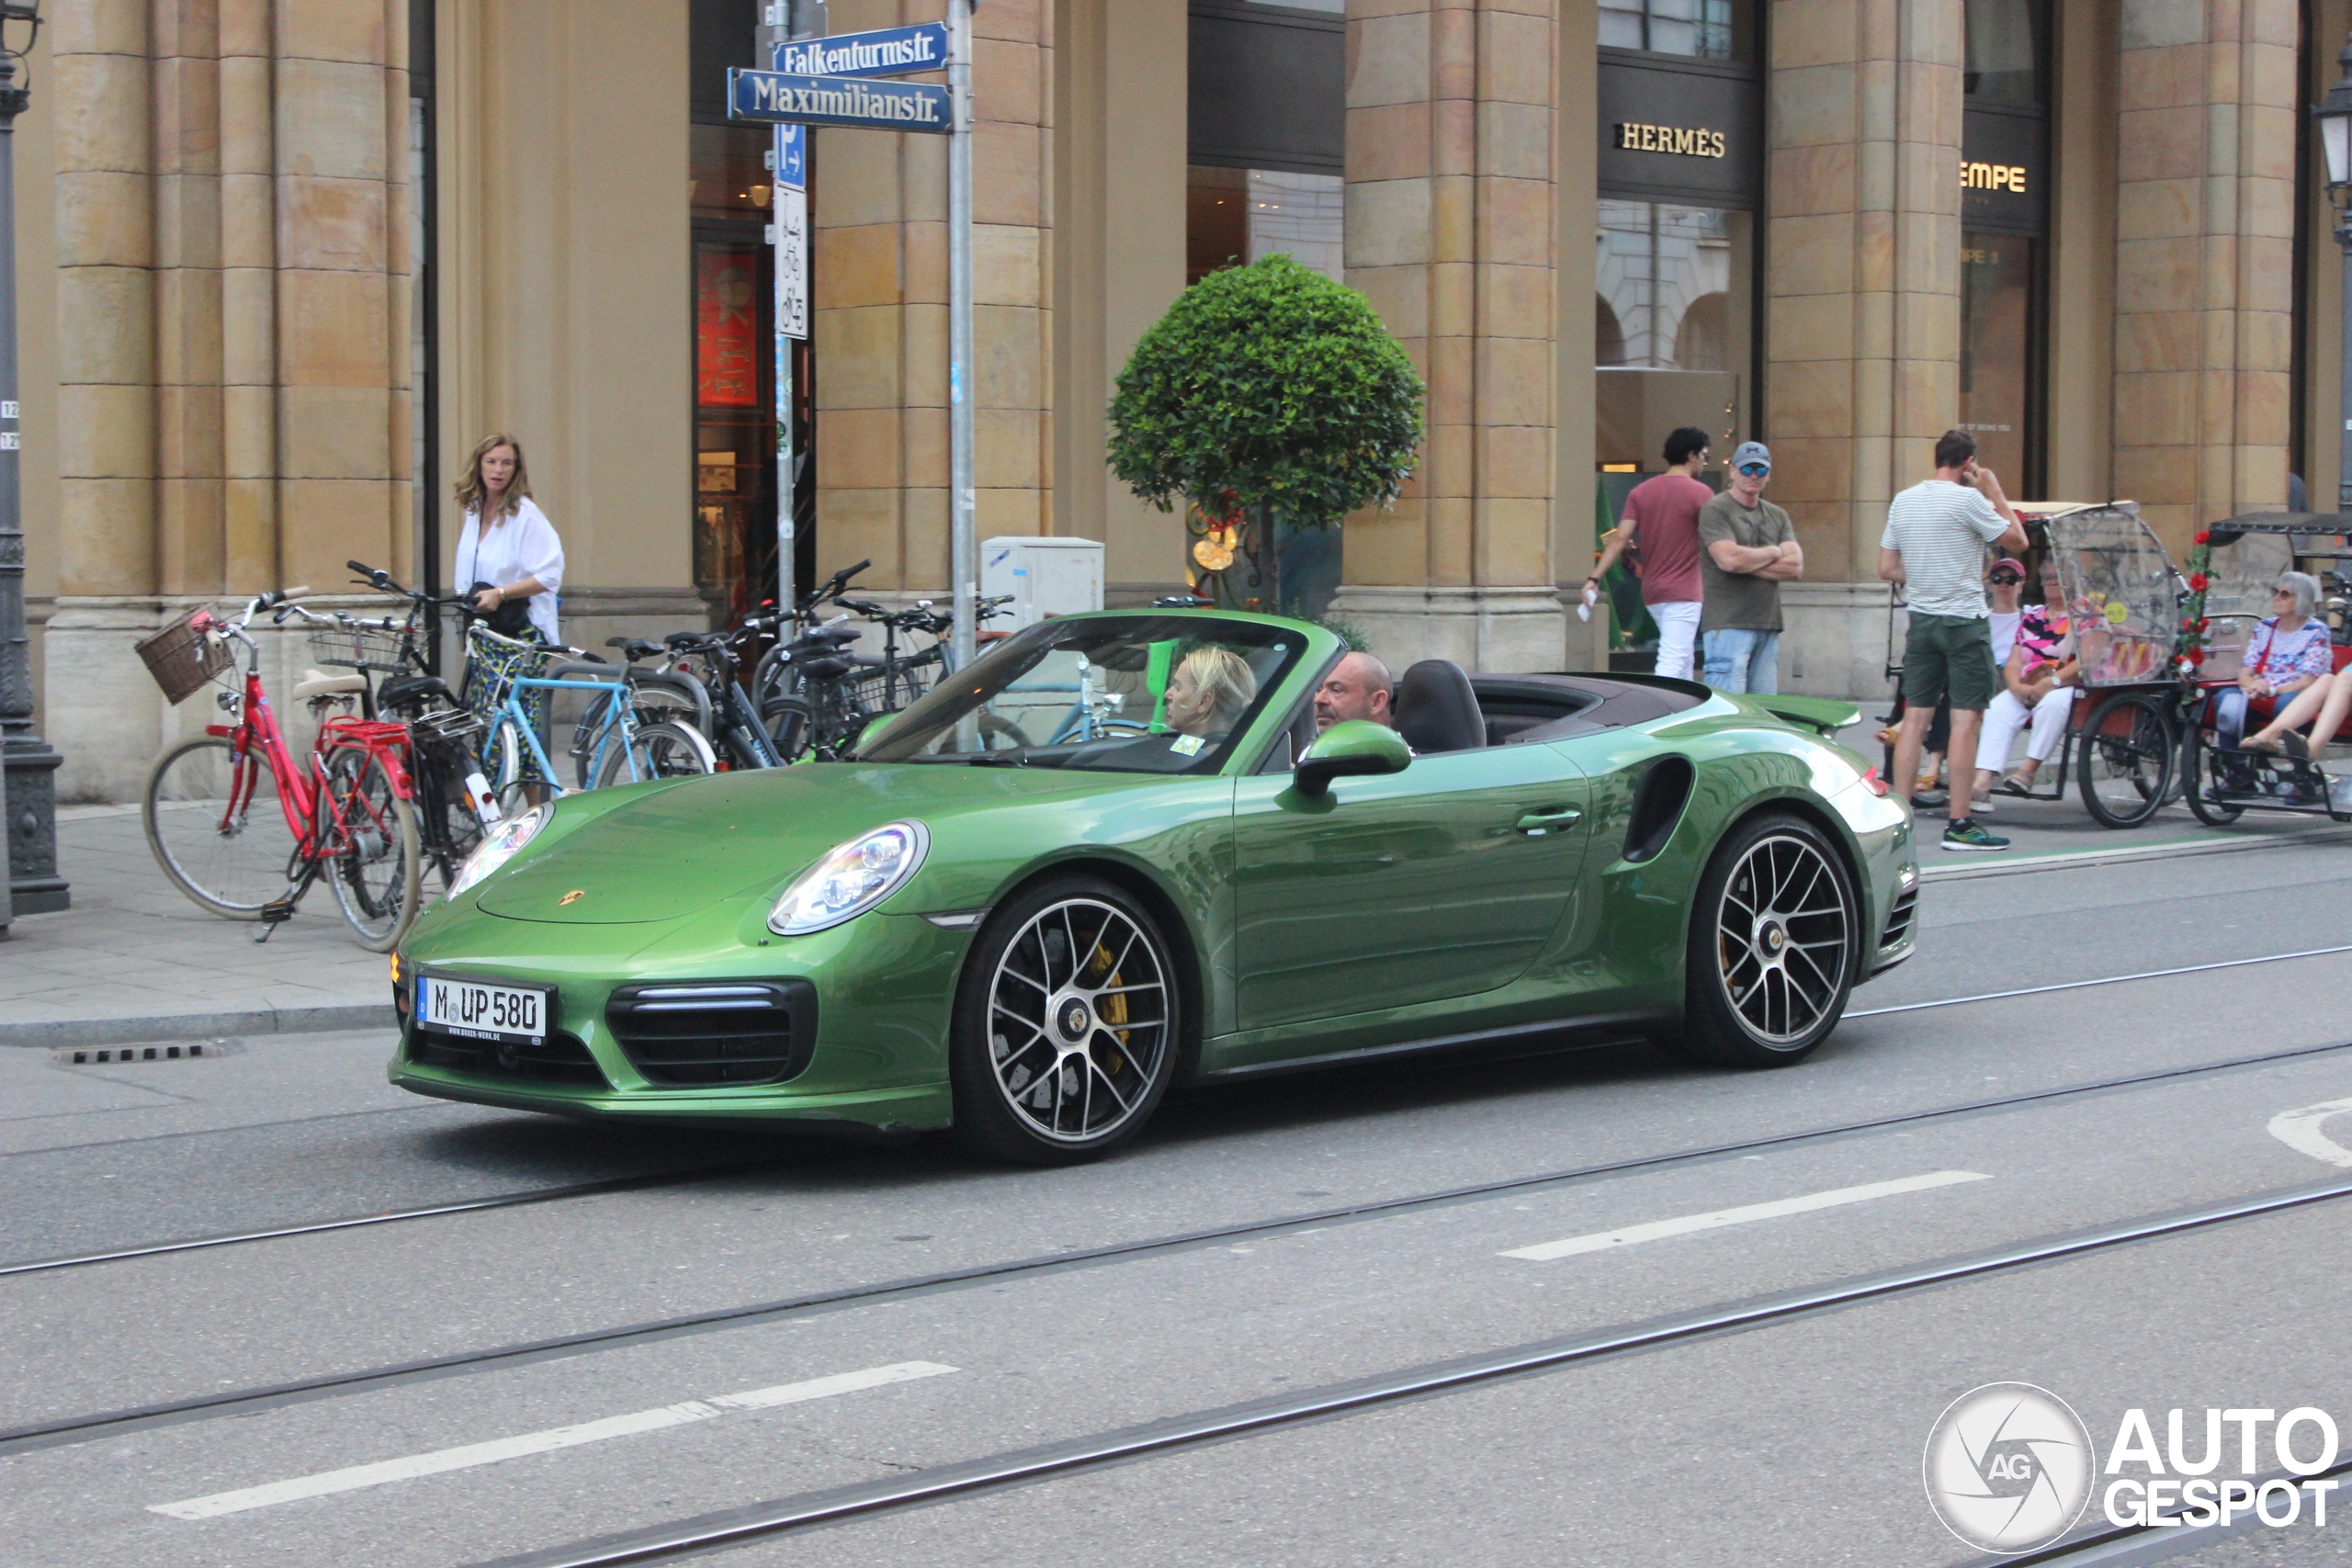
x: 2197, y: 656
x: 2205, y: 535
x: 2197, y: 583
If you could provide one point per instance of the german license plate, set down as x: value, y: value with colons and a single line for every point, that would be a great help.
x: 481, y: 1010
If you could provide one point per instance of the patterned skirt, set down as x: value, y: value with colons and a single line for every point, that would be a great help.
x: 492, y: 670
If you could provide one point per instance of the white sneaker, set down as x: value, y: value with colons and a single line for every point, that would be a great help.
x: 1982, y: 805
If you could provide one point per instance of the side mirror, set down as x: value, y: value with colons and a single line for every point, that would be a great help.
x: 871, y: 733
x: 1348, y: 747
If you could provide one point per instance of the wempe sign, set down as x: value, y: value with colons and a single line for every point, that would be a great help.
x: 773, y: 97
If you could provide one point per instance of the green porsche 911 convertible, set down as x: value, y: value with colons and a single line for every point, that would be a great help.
x: 1115, y: 854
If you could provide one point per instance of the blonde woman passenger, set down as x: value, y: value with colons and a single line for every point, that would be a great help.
x: 1209, y: 693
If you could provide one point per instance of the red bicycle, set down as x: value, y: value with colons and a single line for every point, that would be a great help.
x: 245, y: 829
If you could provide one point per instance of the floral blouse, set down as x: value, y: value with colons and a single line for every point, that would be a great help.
x: 2278, y: 656
x: 2043, y: 637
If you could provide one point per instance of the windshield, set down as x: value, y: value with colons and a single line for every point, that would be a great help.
x: 1119, y: 693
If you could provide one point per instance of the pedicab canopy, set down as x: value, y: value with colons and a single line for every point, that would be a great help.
x: 2122, y: 593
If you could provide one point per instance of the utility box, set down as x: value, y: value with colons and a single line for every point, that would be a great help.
x: 1045, y: 577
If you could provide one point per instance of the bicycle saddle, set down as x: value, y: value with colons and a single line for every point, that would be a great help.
x: 836, y: 635
x: 826, y: 666
x: 319, y: 684
x: 633, y: 647
x: 691, y: 639
x: 408, y: 690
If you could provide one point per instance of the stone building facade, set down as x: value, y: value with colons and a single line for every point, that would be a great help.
x: 283, y: 262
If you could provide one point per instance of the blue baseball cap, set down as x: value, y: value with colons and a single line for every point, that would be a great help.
x: 1751, y: 452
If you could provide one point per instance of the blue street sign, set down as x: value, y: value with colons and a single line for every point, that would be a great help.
x: 885, y: 52
x: 792, y: 156
x: 774, y: 97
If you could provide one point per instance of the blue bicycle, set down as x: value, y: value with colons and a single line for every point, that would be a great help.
x: 623, y: 742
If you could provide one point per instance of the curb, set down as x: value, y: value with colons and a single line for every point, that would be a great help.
x: 2072, y: 860
x: 198, y: 1025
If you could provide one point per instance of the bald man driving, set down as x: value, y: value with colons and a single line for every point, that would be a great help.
x: 1357, y: 687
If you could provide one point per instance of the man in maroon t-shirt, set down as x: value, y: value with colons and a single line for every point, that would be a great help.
x: 1661, y: 524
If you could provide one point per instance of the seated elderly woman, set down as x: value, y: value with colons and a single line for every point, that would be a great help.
x: 2038, y: 683
x: 1209, y: 693
x: 2289, y: 654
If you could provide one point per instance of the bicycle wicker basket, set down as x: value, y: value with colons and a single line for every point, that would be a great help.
x: 359, y: 644
x: 182, y: 659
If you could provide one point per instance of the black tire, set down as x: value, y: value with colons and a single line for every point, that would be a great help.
x: 1769, y: 968
x: 2128, y: 752
x: 379, y: 880
x: 792, y: 726
x: 1085, y: 1039
x: 2196, y: 778
x: 217, y: 827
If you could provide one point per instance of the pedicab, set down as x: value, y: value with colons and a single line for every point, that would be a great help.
x: 2231, y: 572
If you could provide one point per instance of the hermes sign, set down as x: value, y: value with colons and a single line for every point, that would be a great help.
x: 1688, y: 142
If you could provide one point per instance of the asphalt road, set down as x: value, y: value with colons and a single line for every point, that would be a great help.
x: 722, y: 1330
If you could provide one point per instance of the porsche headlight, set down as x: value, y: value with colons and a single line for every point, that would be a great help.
x: 499, y: 845
x: 850, y: 880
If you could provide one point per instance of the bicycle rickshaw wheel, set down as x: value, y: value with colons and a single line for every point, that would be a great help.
x: 217, y: 827
x: 792, y: 726
x: 2197, y: 775
x: 378, y: 872
x: 661, y: 752
x: 2128, y: 752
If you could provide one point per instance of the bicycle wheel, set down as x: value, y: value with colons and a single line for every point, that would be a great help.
x: 448, y: 828
x: 2201, y: 778
x: 661, y: 752
x: 792, y: 726
x: 217, y: 827
x: 377, y: 869
x: 2127, y: 759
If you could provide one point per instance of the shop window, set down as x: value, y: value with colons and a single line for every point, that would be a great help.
x: 1234, y: 215
x: 2004, y: 176
x: 1704, y: 30
x: 734, y: 284
x: 1996, y: 277
x: 1672, y: 327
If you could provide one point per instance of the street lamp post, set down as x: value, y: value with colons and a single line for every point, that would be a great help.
x: 31, y: 767
x: 2334, y: 117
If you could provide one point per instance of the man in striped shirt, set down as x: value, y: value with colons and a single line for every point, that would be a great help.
x: 1934, y: 546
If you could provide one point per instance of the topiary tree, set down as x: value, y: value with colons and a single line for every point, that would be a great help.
x: 1266, y: 392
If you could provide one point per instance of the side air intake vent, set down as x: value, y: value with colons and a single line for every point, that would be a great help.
x: 1658, y: 801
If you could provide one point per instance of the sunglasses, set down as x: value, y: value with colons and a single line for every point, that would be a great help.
x: 1754, y: 470
x: 2004, y: 580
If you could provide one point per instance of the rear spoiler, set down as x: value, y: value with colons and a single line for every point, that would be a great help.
x: 1826, y: 716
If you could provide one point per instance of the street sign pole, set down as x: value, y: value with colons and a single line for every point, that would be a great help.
x: 789, y: 202
x: 963, y: 542
x: 843, y: 81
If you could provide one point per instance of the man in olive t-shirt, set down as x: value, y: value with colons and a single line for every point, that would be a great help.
x: 1747, y: 548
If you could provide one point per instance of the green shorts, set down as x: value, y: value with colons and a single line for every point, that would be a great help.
x: 1949, y: 656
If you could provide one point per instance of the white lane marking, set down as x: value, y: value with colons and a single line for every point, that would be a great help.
x: 355, y: 1477
x: 2299, y: 1130
x: 1602, y: 1241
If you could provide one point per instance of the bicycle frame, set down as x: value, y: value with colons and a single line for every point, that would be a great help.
x: 301, y: 794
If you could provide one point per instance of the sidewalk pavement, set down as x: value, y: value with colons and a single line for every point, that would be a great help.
x: 133, y: 960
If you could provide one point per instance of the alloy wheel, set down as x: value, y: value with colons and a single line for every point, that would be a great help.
x: 1784, y: 938
x: 1078, y: 1015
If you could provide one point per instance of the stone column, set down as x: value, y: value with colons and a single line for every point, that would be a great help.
x: 342, y: 322
x: 1450, y: 225
x: 1863, y: 282
x: 878, y: 204
x: 2206, y: 124
x: 102, y: 710
x: 248, y: 293
x: 186, y: 72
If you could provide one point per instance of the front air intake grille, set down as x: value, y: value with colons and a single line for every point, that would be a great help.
x: 715, y: 1031
x: 563, y: 1059
x: 1898, y: 924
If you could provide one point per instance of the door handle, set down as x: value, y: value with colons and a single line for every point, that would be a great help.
x: 1536, y: 824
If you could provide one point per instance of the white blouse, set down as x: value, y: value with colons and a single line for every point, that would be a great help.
x: 525, y: 545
